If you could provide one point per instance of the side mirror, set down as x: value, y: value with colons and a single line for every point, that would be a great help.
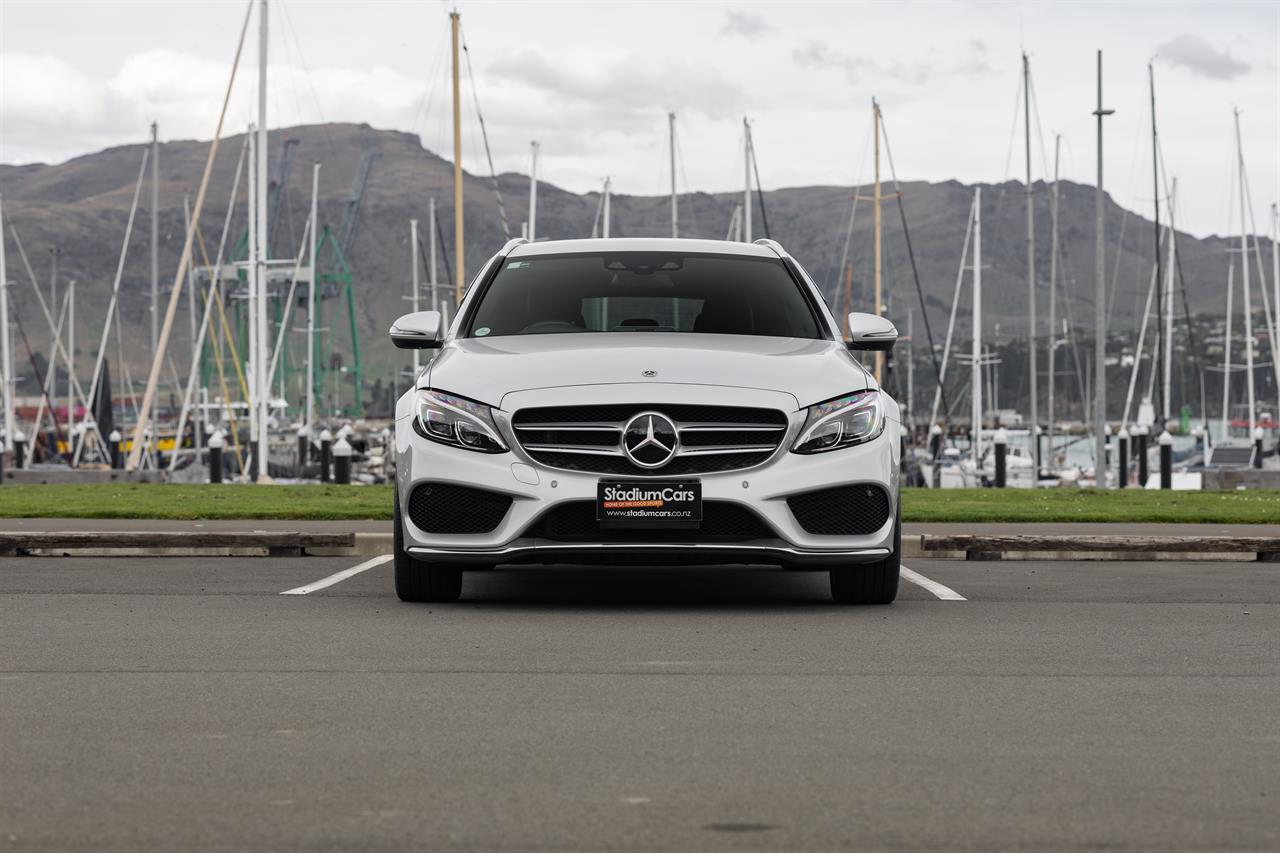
x: 419, y: 330
x: 871, y: 332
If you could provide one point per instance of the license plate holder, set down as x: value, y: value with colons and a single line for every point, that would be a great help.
x: 649, y: 504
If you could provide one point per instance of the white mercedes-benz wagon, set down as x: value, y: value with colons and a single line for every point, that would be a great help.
x: 646, y: 401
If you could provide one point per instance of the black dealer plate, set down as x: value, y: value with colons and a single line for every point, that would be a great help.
x: 649, y: 503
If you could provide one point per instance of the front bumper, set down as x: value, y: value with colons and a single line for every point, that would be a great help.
x: 535, y: 489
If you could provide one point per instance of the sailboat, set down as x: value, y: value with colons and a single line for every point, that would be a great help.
x: 1240, y: 438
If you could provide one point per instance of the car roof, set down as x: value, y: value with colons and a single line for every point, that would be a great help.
x: 643, y: 244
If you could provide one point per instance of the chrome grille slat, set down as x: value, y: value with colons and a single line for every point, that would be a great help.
x: 712, y: 438
x: 711, y: 450
x: 585, y: 450
x: 572, y: 427
x: 730, y: 428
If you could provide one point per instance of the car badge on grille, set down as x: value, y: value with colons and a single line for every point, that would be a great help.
x: 649, y: 440
x: 649, y: 374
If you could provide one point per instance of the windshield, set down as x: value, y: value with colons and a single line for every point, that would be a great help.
x: 644, y: 292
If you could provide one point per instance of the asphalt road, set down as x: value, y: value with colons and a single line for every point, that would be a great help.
x: 184, y: 704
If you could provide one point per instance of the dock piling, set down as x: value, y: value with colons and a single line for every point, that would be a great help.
x: 1166, y: 460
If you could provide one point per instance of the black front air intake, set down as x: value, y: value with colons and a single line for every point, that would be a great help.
x: 447, y: 508
x: 842, y: 510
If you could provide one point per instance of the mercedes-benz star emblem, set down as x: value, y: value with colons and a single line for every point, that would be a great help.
x: 649, y: 374
x: 649, y: 439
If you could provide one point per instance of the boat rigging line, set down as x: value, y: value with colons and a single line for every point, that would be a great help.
x: 148, y: 396
x: 1177, y: 274
x: 853, y: 212
x: 915, y: 272
x: 44, y: 386
x: 59, y: 349
x: 1272, y: 320
x: 444, y: 252
x: 955, y: 302
x: 91, y: 421
x: 484, y: 135
x: 1162, y: 404
x: 755, y: 166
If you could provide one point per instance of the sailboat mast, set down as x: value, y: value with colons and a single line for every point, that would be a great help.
x: 193, y: 325
x: 55, y: 334
x: 911, y: 374
x: 458, y: 219
x: 251, y: 304
x: 675, y: 210
x: 1100, y: 306
x: 1275, y: 286
x: 533, y: 194
x: 879, y: 305
x: 1244, y: 281
x: 1031, y: 267
x: 1226, y: 357
x: 1162, y: 403
x: 848, y: 297
x: 413, y: 279
x: 155, y: 245
x: 976, y: 352
x: 71, y: 356
x: 155, y: 235
x: 606, y: 213
x: 308, y: 417
x: 432, y: 281
x: 6, y: 353
x: 263, y: 384
x: 1167, y: 333
x: 1053, y: 292
x: 746, y: 180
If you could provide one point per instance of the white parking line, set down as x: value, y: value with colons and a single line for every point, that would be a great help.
x: 340, y: 576
x: 945, y: 593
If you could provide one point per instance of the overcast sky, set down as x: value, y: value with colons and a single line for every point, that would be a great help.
x: 593, y: 82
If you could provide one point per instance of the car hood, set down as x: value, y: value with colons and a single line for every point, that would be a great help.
x: 487, y: 370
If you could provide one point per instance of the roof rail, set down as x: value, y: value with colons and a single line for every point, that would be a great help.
x: 511, y: 244
x: 772, y: 244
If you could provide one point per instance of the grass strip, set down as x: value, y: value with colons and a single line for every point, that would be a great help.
x: 331, y: 502
x: 194, y: 501
x: 1091, y: 505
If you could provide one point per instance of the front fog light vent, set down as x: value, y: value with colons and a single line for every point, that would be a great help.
x: 855, y: 510
x: 446, y: 508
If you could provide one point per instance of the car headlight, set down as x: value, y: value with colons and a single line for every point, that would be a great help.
x: 842, y: 422
x: 457, y: 422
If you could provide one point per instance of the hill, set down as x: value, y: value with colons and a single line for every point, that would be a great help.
x: 81, y: 207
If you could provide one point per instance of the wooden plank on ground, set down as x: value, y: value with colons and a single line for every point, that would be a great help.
x: 279, y: 541
x: 1059, y: 542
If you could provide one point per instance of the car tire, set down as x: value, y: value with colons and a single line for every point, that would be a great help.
x: 417, y: 580
x: 871, y: 583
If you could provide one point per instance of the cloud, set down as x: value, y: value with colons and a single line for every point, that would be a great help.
x: 859, y: 68
x: 50, y: 110
x: 45, y: 90
x: 1195, y: 54
x: 744, y: 24
x: 43, y: 99
x: 975, y: 62
x: 817, y: 54
x: 622, y: 86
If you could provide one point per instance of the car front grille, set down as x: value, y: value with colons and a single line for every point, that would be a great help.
x: 589, y: 438
x: 857, y: 510
x: 722, y: 521
x: 448, y: 509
